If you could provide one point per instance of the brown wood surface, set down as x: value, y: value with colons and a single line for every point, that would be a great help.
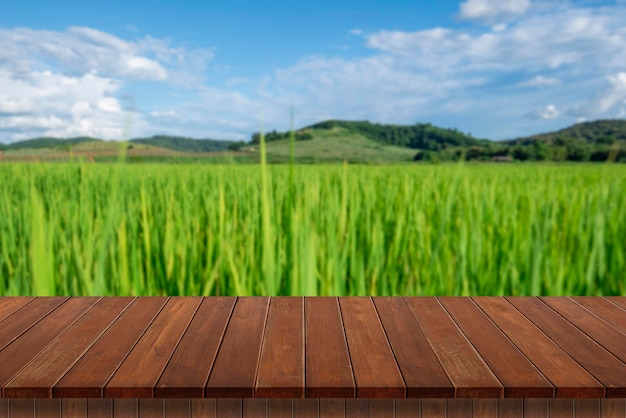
x: 536, y: 407
x: 460, y: 407
x: 306, y: 408
x: 40, y: 375
x: 48, y: 408
x: 381, y: 408
x: 234, y: 371
x: 613, y: 408
x: 561, y: 408
x: 606, y: 368
x: 433, y: 408
x: 587, y: 408
x: 177, y: 408
x: 590, y: 324
x: 468, y: 372
x: 617, y: 300
x: 125, y: 408
x: 511, y: 408
x: 485, y: 408
x: 281, y: 366
x: 203, y: 408
x: 423, y: 374
x: 517, y: 374
x: 15, y: 324
x: 188, y: 370
x: 332, y: 408
x: 606, y: 310
x: 20, y: 352
x: 407, y: 408
x: 12, y: 304
x: 151, y: 408
x: 280, y: 408
x: 328, y: 368
x: 375, y: 370
x: 140, y: 371
x: 4, y: 408
x: 255, y: 408
x: 568, y: 377
x: 99, y: 408
x: 75, y: 408
x: 357, y: 408
x: 229, y: 408
x: 87, y: 378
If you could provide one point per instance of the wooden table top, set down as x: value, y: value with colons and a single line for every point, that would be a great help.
x: 317, y: 347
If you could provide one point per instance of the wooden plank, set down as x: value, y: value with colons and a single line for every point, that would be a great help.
x: 229, y: 408
x: 598, y: 329
x: 568, y: 377
x: 561, y: 408
x: 375, y: 370
x: 4, y: 408
x: 32, y: 342
x: 203, y: 408
x: 280, y: 408
x: 357, y: 408
x: 22, y: 408
x: 255, y: 408
x: 151, y: 408
x: 518, y: 375
x: 100, y: 408
x: 48, y: 408
x: 606, y: 310
x: 423, y: 374
x: 617, y: 300
x: 11, y: 304
x: 510, y: 408
x: 332, y: 408
x: 177, y: 408
x: 306, y: 408
x: 234, y: 371
x: 606, y: 368
x: 125, y: 408
x: 381, y: 408
x: 281, y: 367
x: 485, y: 408
x: 613, y: 408
x: 536, y: 407
x: 407, y: 408
x: 41, y: 374
x: 433, y: 408
x: 587, y: 408
x: 140, y: 371
x: 76, y: 408
x: 188, y: 371
x: 328, y: 369
x: 20, y: 321
x: 86, y: 379
x: 466, y: 369
x: 459, y: 407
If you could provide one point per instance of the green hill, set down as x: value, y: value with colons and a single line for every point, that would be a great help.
x: 50, y: 142
x: 178, y: 143
x: 607, y: 131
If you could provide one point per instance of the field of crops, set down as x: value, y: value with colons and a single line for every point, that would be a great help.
x: 97, y: 229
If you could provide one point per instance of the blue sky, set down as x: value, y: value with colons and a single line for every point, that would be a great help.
x: 494, y: 68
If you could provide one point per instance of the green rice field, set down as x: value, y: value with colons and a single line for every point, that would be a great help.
x: 116, y: 229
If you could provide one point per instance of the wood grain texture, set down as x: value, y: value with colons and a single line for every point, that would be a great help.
x: 613, y: 408
x: 234, y: 372
x: 357, y: 407
x: 381, y: 408
x: 433, y: 408
x: 587, y: 408
x: 485, y: 408
x: 86, y: 379
x: 617, y: 300
x: 518, y: 375
x: 48, y: 408
x: 328, y: 368
x: 606, y: 368
x: 536, y: 408
x: 177, y: 408
x: 190, y: 366
x: 306, y: 408
x: 151, y: 408
x: 546, y: 355
x: 140, y: 371
x: 21, y: 408
x: 332, y: 408
x: 407, y: 408
x: 19, y: 321
x: 75, y: 408
x: 375, y: 370
x: 281, y: 366
x: 229, y: 408
x: 41, y: 374
x: 4, y: 408
x: 19, y: 353
x: 597, y: 328
x: 203, y: 408
x: 255, y: 408
x: 125, y: 408
x: 460, y: 408
x: 100, y: 408
x: 510, y: 408
x: 280, y: 408
x: 468, y: 372
x: 561, y: 408
x: 606, y: 310
x: 11, y: 304
x: 423, y: 374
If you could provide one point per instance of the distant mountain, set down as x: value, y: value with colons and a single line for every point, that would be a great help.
x: 178, y: 143
x: 605, y: 131
x: 50, y: 142
x: 419, y: 136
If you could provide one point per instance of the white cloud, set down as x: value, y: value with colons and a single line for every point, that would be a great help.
x: 541, y: 81
x: 605, y: 99
x: 548, y: 112
x: 492, y: 10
